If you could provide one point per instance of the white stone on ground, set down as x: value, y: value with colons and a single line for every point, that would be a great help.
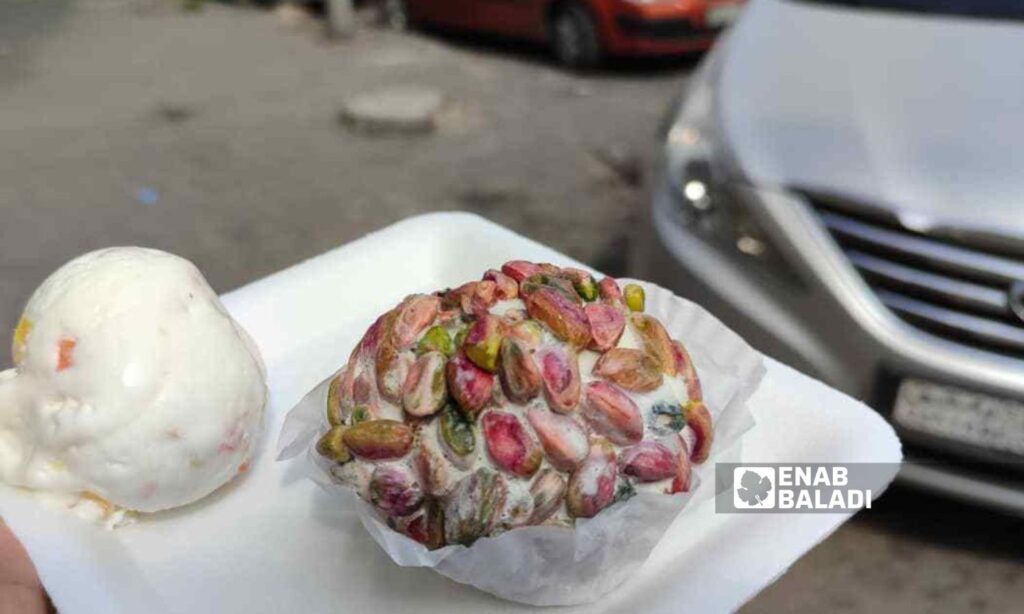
x: 408, y: 109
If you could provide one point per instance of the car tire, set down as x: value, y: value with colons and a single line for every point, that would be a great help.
x: 574, y: 38
x: 394, y: 14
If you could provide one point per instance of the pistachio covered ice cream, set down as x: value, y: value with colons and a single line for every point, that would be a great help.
x: 534, y: 396
x: 132, y: 386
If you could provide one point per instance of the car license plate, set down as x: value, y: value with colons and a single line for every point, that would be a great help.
x: 960, y: 415
x: 722, y: 15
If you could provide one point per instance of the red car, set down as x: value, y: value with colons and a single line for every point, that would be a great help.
x: 581, y: 32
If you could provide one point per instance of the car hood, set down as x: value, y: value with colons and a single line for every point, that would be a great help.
x: 920, y: 115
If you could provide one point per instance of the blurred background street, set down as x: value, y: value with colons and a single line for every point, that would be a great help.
x: 217, y: 135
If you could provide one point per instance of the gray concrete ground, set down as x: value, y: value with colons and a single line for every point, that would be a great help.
x: 229, y: 119
x: 216, y: 135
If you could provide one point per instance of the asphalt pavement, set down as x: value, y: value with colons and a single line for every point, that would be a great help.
x: 219, y: 135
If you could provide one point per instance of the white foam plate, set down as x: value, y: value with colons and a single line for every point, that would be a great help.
x: 274, y: 542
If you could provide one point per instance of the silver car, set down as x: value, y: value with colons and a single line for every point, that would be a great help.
x: 844, y: 185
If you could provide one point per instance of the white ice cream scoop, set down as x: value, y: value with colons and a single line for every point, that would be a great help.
x: 132, y: 384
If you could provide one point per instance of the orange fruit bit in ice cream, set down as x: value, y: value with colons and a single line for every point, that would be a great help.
x: 65, y: 349
x: 21, y: 332
x: 243, y: 467
x: 107, y: 506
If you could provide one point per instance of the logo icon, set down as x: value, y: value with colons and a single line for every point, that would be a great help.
x: 753, y: 487
x: 1016, y: 299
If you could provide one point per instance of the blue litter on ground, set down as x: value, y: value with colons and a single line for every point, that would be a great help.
x: 147, y: 196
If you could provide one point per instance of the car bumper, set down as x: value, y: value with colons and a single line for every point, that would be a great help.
x: 831, y: 326
x: 658, y: 29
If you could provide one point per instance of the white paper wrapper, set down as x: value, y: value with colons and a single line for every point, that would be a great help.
x: 558, y: 566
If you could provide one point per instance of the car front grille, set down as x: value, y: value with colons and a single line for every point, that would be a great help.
x: 955, y: 288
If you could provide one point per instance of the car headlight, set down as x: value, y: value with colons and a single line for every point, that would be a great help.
x: 694, y: 149
x: 709, y: 194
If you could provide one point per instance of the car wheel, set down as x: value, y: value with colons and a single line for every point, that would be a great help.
x: 394, y: 14
x: 574, y: 38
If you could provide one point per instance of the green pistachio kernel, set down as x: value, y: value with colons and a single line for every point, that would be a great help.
x: 436, y: 339
x: 457, y: 431
x: 634, y: 296
x: 360, y: 413
x: 331, y: 446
